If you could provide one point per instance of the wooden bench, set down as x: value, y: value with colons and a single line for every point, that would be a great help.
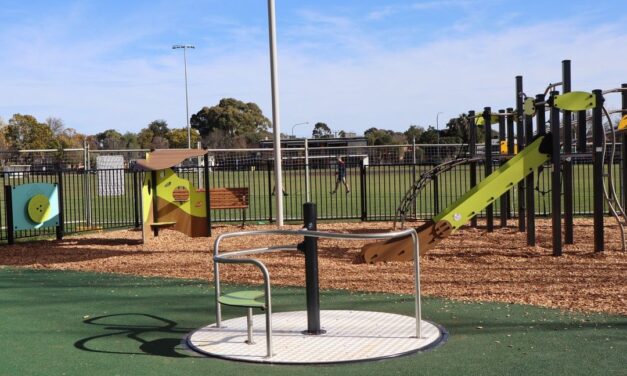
x: 230, y: 198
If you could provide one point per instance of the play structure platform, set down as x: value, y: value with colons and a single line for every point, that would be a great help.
x: 350, y: 336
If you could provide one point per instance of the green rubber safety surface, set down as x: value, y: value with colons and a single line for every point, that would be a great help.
x: 244, y: 298
x: 71, y: 323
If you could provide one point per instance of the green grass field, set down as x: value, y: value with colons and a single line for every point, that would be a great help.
x: 72, y: 323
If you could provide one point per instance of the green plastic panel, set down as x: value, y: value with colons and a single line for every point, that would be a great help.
x: 479, y: 119
x: 492, y: 187
x: 575, y: 101
x: 244, y: 298
x: 529, y: 107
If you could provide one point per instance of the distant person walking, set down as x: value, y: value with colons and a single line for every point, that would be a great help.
x: 341, y: 176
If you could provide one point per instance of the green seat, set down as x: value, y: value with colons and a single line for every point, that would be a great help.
x: 244, y: 298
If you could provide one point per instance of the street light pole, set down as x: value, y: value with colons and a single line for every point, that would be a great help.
x: 437, y: 126
x: 306, y: 122
x: 189, y: 132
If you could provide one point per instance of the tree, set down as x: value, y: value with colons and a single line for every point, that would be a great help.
x: 110, y: 140
x: 159, y: 128
x: 430, y: 136
x: 321, y: 130
x: 130, y: 140
x: 376, y: 136
x: 413, y: 133
x: 232, y: 118
x: 25, y: 132
x: 178, y: 137
x: 56, y: 125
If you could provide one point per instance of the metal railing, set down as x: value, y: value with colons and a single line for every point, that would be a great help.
x: 231, y: 258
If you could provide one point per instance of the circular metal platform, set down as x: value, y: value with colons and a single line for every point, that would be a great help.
x: 350, y: 336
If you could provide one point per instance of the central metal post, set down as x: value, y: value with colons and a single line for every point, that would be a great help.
x: 311, y: 270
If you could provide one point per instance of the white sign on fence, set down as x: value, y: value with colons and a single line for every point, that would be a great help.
x: 110, y: 175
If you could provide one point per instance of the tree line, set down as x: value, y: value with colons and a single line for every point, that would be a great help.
x: 229, y: 124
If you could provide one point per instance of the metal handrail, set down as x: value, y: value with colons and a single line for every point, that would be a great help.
x: 231, y: 259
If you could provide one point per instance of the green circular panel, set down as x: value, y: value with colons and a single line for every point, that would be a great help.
x: 39, y: 208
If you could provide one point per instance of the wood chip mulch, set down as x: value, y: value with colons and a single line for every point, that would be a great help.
x: 470, y: 265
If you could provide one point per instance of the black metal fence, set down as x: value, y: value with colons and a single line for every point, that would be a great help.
x: 373, y: 192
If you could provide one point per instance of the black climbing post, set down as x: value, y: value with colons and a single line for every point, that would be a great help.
x: 510, y: 153
x: 624, y: 148
x: 487, y: 119
x: 503, y: 198
x: 472, y: 153
x: 567, y: 125
x: 520, y: 140
x: 597, y: 170
x: 311, y: 270
x: 556, y: 183
x: 530, y: 200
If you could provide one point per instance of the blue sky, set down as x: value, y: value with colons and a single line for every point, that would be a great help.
x: 353, y: 64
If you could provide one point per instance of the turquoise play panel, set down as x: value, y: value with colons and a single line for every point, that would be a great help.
x: 35, y: 206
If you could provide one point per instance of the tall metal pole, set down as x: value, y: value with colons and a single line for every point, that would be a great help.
x: 503, y: 199
x: 472, y: 153
x: 189, y: 132
x: 624, y: 146
x: 568, y: 165
x: 556, y: 183
x: 487, y: 119
x: 597, y: 171
x: 520, y: 141
x: 274, y: 77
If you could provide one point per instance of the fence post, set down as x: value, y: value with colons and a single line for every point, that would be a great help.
x: 487, y: 119
x: 363, y: 191
x: 87, y: 185
x: 207, y: 192
x: 136, y: 198
x: 556, y: 182
x: 8, y: 202
x: 597, y: 170
x: 472, y: 153
x: 568, y: 166
x: 413, y: 175
x: 61, y: 226
x: 269, y: 168
x: 307, y: 181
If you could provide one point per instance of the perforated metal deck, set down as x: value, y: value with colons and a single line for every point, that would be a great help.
x: 350, y: 336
